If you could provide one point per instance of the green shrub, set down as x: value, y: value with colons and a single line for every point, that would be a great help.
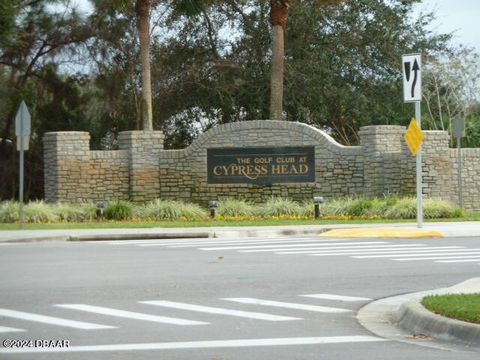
x: 336, y: 206
x: 75, y: 213
x: 39, y: 212
x: 405, y: 208
x: 234, y: 207
x: 169, y: 209
x: 437, y: 209
x: 88, y: 211
x: 276, y: 206
x: 9, y: 211
x: 118, y: 210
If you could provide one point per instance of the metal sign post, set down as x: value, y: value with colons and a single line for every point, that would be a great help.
x: 22, y: 131
x: 412, y: 92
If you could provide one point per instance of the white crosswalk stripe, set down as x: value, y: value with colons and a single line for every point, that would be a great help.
x: 432, y: 253
x: 312, y: 246
x: 247, y: 242
x: 288, y: 305
x: 289, y: 246
x: 130, y: 314
x: 220, y: 311
x: 199, y: 344
x: 389, y: 251
x: 51, y: 320
x: 317, y: 249
x: 458, y: 261
x: 336, y: 297
x: 4, y: 329
x: 440, y: 258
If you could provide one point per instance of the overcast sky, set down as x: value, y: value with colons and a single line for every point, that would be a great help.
x: 459, y: 16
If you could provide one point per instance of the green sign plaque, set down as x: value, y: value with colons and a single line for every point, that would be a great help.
x: 261, y: 165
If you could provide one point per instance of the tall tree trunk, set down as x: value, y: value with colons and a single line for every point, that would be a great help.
x: 142, y: 8
x: 278, y: 19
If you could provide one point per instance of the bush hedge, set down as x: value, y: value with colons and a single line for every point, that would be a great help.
x: 384, y: 208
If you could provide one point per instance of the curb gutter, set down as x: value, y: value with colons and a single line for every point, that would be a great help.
x: 414, y: 317
x: 402, y: 318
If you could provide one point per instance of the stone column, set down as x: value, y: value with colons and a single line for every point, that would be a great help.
x: 143, y: 148
x: 379, y: 144
x: 66, y: 163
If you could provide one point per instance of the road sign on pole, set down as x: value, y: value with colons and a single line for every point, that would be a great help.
x: 412, y: 92
x: 412, y: 77
x: 22, y: 130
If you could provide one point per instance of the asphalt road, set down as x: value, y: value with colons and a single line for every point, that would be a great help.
x: 208, y: 299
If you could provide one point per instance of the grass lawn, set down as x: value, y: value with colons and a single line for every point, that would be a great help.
x: 465, y: 307
x: 219, y: 223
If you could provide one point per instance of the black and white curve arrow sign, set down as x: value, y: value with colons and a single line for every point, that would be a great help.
x: 412, y: 77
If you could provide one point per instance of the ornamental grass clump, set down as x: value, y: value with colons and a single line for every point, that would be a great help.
x: 9, y: 211
x: 437, y: 209
x: 39, y: 212
x: 118, y: 210
x: 170, y: 209
x: 405, y: 208
x: 277, y: 206
x: 69, y: 213
x: 234, y: 207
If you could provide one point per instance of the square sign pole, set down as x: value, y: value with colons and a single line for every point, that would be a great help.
x: 412, y: 92
x: 22, y: 131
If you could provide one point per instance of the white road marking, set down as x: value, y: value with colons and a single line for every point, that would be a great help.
x: 4, y: 329
x: 190, y: 241
x: 222, y: 311
x: 477, y: 257
x: 232, y: 243
x: 52, y: 320
x: 12, y: 243
x: 377, y: 251
x: 336, y: 297
x: 315, y: 249
x: 457, y: 261
x: 130, y: 314
x: 433, y: 253
x: 247, y: 242
x: 289, y: 246
x: 287, y: 305
x: 200, y: 344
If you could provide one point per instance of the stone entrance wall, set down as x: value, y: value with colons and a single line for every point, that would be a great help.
x: 142, y: 170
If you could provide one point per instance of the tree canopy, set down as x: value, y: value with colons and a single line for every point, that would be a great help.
x: 210, y: 64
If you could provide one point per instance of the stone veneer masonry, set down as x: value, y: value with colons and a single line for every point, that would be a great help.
x: 142, y: 170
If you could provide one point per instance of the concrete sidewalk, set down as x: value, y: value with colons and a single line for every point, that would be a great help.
x: 447, y: 229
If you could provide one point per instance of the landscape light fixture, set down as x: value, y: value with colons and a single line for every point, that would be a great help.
x: 212, y: 205
x: 101, y: 205
x: 317, y: 200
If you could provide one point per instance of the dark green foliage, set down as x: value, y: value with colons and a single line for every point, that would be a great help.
x: 118, y: 210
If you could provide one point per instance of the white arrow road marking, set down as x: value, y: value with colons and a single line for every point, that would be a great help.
x: 336, y: 297
x: 130, y: 314
x: 287, y: 305
x: 289, y: 246
x: 4, y: 329
x: 200, y: 344
x: 222, y: 311
x: 52, y: 320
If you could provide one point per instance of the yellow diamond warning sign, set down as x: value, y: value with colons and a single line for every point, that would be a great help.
x: 414, y: 137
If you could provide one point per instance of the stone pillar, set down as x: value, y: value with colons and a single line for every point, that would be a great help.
x: 378, y: 142
x: 143, y: 148
x: 66, y: 163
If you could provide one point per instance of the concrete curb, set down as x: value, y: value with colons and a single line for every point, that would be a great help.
x: 414, y: 317
x: 402, y: 318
